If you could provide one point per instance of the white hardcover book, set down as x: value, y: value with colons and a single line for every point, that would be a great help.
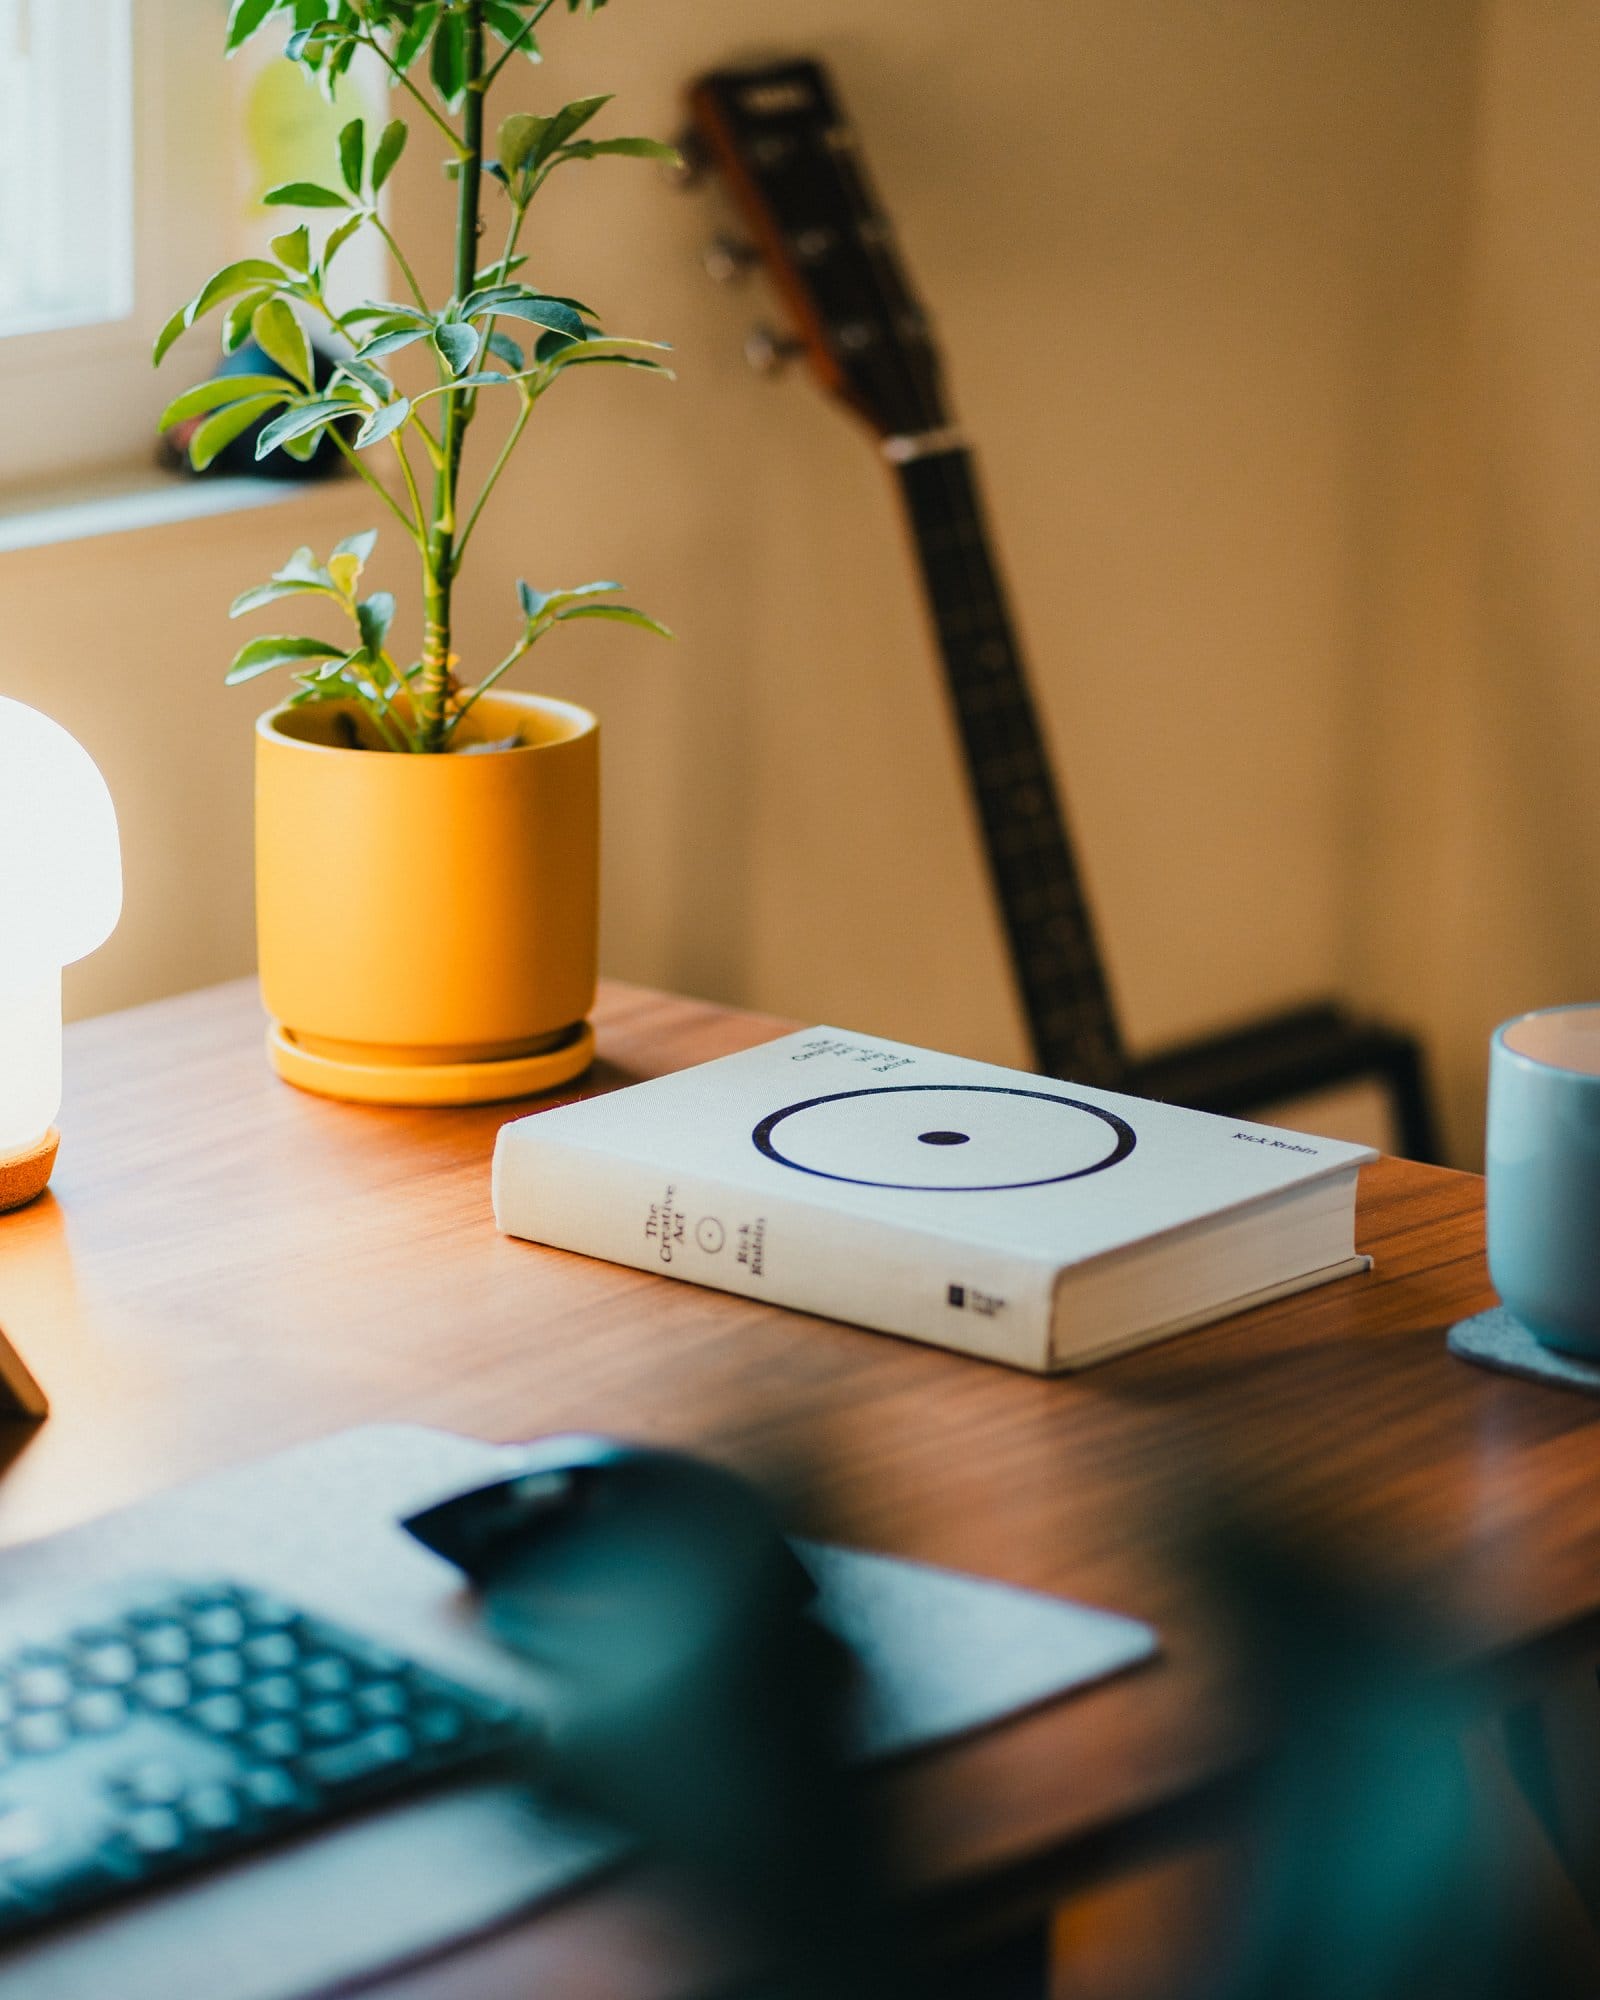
x: 1003, y: 1214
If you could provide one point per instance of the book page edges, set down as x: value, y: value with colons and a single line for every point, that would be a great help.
x: 1346, y: 1267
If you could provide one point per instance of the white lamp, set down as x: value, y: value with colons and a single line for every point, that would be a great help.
x: 60, y: 897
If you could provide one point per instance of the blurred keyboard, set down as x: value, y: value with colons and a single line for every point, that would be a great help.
x: 169, y: 1725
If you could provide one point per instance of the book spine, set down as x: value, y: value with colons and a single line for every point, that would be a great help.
x: 787, y: 1252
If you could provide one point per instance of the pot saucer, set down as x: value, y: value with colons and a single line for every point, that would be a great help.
x: 430, y: 1083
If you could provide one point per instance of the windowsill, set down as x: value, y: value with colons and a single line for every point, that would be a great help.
x: 126, y: 502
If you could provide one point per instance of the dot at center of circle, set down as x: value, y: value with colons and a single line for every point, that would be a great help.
x: 944, y: 1138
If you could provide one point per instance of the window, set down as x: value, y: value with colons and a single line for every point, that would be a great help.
x: 117, y: 126
x: 65, y: 117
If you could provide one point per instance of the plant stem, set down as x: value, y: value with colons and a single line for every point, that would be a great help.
x: 400, y: 77
x: 377, y: 486
x: 435, y: 683
x: 399, y: 257
x: 499, y: 466
x: 489, y: 679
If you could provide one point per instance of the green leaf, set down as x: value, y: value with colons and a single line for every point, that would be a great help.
x: 360, y: 546
x: 504, y: 348
x: 219, y: 390
x: 390, y: 343
x: 303, y: 194
x: 373, y: 380
x: 338, y: 237
x: 511, y: 27
x: 409, y: 44
x: 302, y: 567
x: 379, y: 425
x: 220, y: 285
x: 248, y: 271
x: 353, y: 154
x: 374, y: 615
x: 236, y: 324
x: 391, y: 144
x: 624, y: 614
x: 260, y: 656
x: 536, y: 602
x: 447, y: 63
x: 457, y: 345
x: 301, y: 421
x: 219, y: 430
x: 588, y: 360
x: 551, y: 313
x: 517, y: 141
x: 635, y: 149
x: 293, y: 248
x: 569, y: 119
x: 281, y: 336
x: 244, y: 19
x: 270, y: 593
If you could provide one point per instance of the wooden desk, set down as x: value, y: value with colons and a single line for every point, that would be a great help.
x: 226, y: 1267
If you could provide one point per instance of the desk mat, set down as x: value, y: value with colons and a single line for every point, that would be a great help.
x: 943, y: 1655
x: 1497, y: 1339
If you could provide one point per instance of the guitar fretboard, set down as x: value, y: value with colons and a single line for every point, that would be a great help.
x: 1046, y: 914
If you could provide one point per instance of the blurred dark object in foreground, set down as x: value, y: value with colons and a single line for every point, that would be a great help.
x: 694, y: 1702
x: 238, y: 459
x: 1381, y: 1850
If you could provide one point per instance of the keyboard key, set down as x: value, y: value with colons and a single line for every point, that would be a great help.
x: 111, y: 1665
x: 217, y: 1670
x: 277, y: 1695
x: 164, y: 1645
x: 330, y: 1721
x: 350, y: 1763
x: 220, y: 1625
x: 213, y: 1808
x: 154, y: 1831
x: 327, y: 1674
x: 39, y: 1734
x: 42, y: 1687
x: 268, y: 1613
x: 165, y: 1689
x: 382, y: 1701
x: 277, y: 1740
x: 270, y: 1652
x: 222, y: 1714
x: 23, y: 1830
x: 153, y: 1781
x: 271, y: 1788
x: 100, y: 1712
x: 440, y: 1724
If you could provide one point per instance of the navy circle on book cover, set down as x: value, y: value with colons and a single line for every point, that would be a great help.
x: 951, y: 1138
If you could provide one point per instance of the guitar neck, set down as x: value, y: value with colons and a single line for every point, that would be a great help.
x: 1035, y: 877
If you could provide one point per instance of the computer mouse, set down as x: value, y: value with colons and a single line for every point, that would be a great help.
x: 582, y: 1509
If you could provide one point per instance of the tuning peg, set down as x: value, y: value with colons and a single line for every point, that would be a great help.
x: 727, y: 258
x: 689, y: 169
x: 769, y: 353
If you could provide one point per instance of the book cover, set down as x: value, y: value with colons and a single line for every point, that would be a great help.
x: 931, y: 1195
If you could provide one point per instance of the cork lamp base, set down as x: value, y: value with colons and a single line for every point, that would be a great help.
x: 25, y: 1176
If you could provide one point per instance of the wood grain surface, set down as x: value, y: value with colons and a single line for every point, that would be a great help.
x: 225, y: 1266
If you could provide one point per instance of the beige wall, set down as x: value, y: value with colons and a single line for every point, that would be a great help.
x: 1269, y: 320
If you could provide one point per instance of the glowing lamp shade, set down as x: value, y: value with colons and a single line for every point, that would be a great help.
x: 60, y: 897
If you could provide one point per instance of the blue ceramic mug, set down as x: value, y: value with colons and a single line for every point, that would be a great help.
x: 1544, y: 1174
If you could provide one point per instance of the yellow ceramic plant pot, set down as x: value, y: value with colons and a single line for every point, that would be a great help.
x: 427, y: 926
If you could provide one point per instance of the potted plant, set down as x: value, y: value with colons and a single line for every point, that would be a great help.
x: 426, y: 842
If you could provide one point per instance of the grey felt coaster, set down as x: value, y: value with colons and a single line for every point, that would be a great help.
x: 1496, y: 1340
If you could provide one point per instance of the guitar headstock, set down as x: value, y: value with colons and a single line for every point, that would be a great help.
x: 781, y: 142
